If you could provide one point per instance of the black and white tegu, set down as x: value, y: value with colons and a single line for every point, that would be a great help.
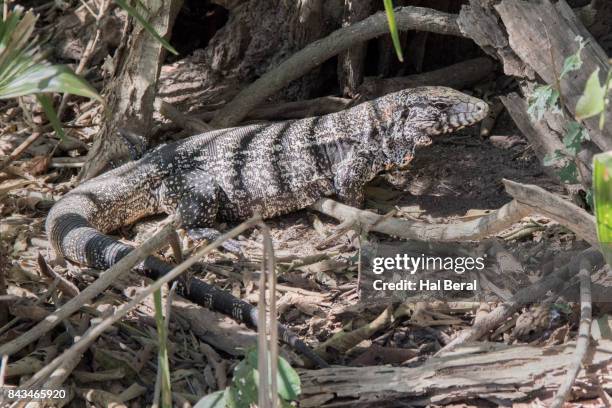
x: 265, y: 169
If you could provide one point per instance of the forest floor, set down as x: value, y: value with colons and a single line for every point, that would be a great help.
x: 458, y: 178
x: 455, y: 179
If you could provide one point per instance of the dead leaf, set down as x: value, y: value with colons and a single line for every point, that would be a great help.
x: 100, y: 398
x: 38, y: 165
x: 533, y: 323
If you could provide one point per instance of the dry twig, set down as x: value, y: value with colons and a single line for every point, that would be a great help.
x: 556, y: 208
x: 584, y: 333
x: 19, y: 150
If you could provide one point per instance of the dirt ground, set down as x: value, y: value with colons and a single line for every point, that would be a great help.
x: 457, y: 178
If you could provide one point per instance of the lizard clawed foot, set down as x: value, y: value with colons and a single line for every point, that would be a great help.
x: 210, y: 234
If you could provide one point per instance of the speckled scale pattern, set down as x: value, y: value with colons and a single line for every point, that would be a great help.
x: 268, y: 169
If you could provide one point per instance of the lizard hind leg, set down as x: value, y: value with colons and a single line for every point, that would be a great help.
x: 194, y: 197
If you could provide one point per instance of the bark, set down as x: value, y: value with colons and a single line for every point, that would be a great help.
x: 258, y: 35
x: 543, y: 138
x: 534, y: 38
x: 497, y: 373
x: 351, y: 62
x: 131, y: 93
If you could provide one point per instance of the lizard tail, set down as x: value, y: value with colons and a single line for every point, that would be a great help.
x: 74, y: 238
x: 224, y: 302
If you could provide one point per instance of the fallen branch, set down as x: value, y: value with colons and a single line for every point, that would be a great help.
x: 460, y: 75
x: 343, y: 340
x: 476, y: 229
x: 584, y: 333
x: 291, y: 110
x: 216, y: 329
x: 556, y: 208
x: 180, y: 119
x: 408, y: 18
x: 496, y: 372
x: 123, y: 266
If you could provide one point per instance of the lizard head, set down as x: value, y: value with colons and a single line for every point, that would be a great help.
x: 418, y: 113
x: 438, y: 110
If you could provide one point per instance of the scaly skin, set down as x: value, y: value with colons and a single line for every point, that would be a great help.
x: 269, y: 169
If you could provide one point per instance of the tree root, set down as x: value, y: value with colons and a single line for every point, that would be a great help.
x: 408, y: 18
x: 476, y: 229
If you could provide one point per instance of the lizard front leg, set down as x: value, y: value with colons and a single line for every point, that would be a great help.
x: 194, y: 196
x: 351, y: 176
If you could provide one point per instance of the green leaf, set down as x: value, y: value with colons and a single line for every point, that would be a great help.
x: 214, y: 400
x: 569, y: 173
x: 243, y: 391
x: 602, y: 194
x: 134, y: 13
x: 289, y: 386
x: 573, y: 62
x: 47, y: 105
x: 592, y: 101
x: 393, y: 29
x: 543, y: 99
x: 41, y: 78
x: 22, y: 69
x: 563, y: 308
x: 574, y: 136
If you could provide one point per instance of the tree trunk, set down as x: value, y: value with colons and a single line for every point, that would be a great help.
x: 131, y: 93
x: 351, y: 62
x: 258, y: 36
